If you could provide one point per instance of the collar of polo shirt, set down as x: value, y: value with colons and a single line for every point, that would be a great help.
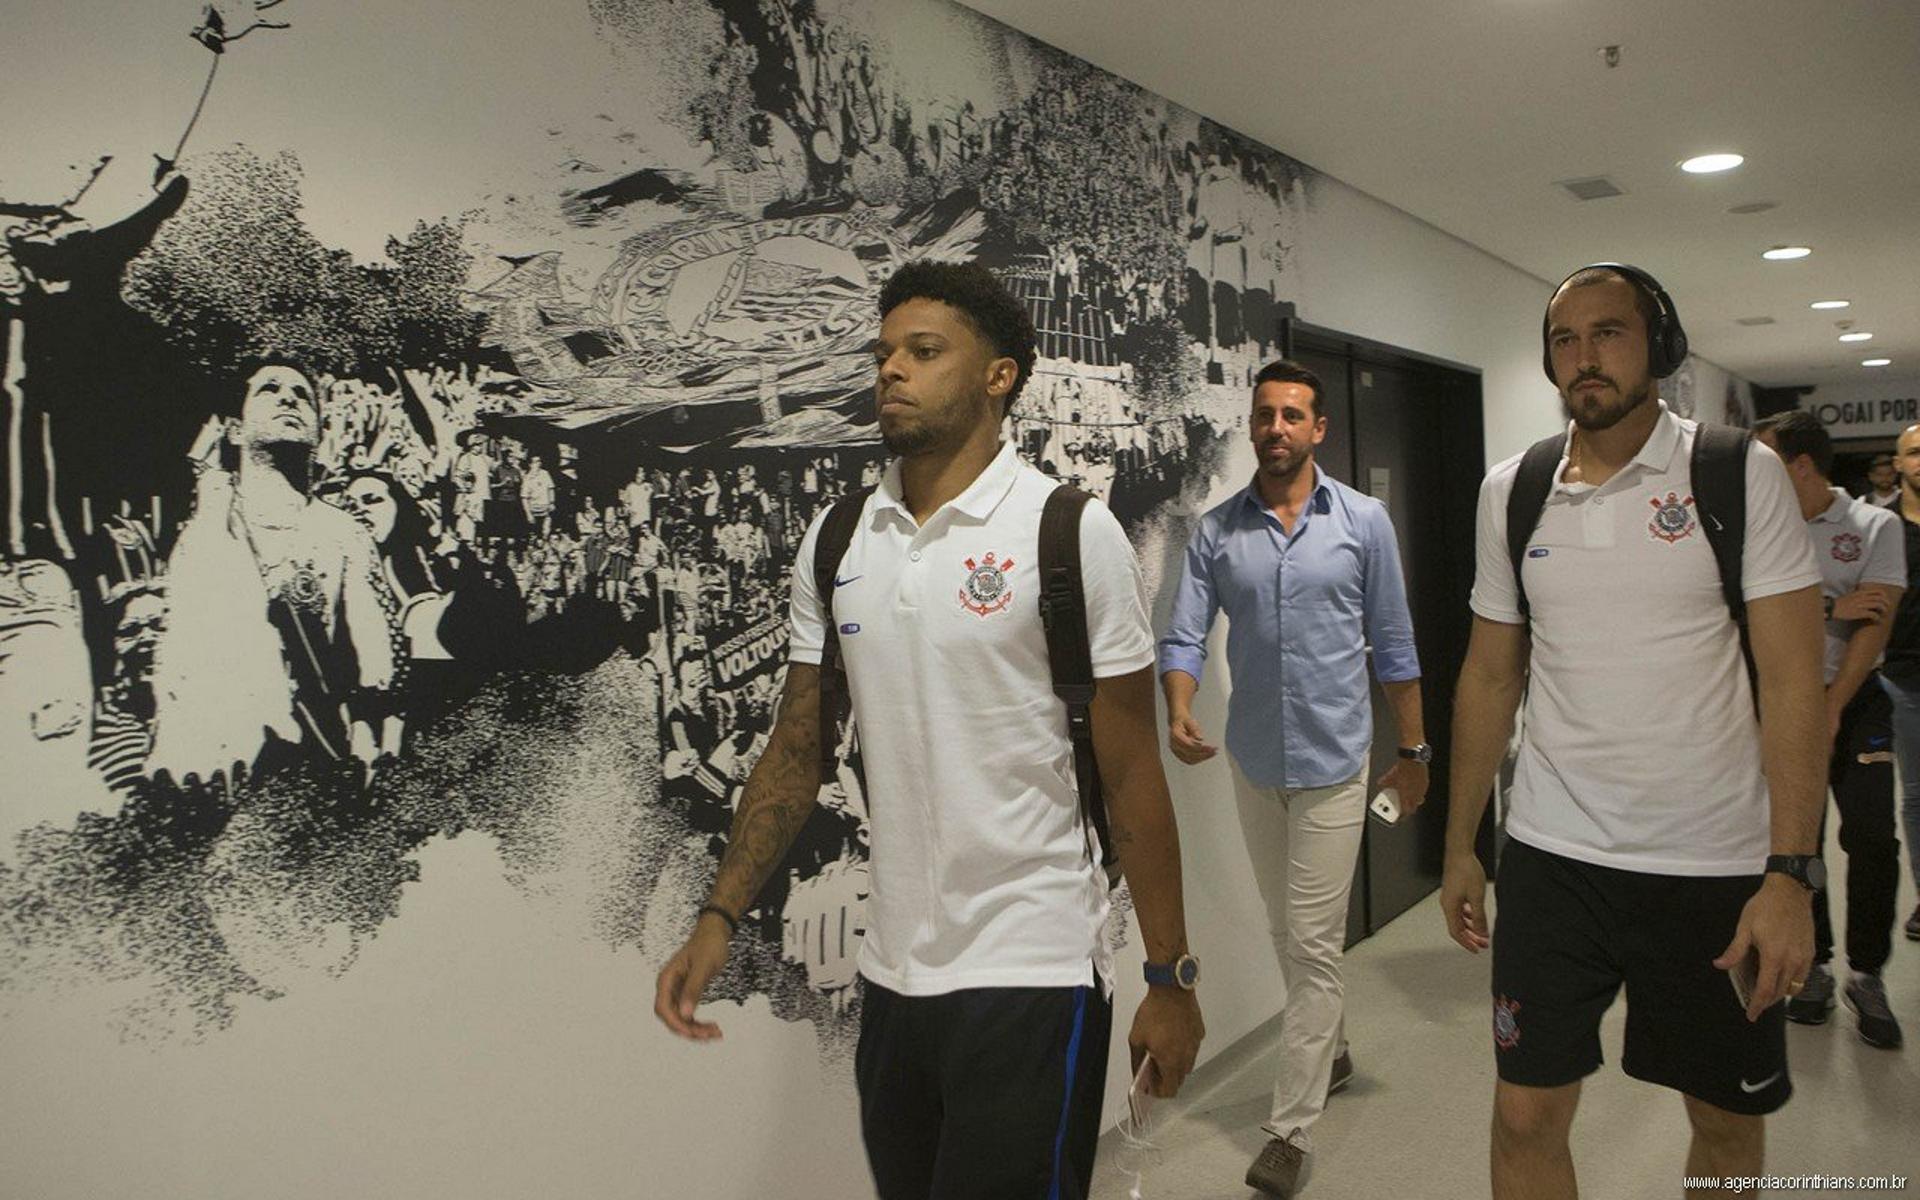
x: 982, y: 496
x: 1655, y: 455
x: 1837, y: 511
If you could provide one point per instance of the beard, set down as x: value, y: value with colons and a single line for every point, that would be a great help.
x: 1592, y: 412
x: 909, y: 440
x: 1287, y: 469
x: 924, y: 430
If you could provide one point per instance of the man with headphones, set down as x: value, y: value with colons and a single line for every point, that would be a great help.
x: 1660, y: 837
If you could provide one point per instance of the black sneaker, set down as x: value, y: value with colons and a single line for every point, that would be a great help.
x: 1867, y: 997
x: 1342, y: 1071
x: 1913, y: 925
x: 1277, y: 1170
x: 1815, y: 1000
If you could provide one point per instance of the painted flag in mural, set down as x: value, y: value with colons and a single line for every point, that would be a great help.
x: 743, y: 649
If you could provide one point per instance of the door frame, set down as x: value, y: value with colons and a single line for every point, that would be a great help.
x: 1467, y: 434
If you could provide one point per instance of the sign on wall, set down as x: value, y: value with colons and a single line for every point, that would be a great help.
x: 1885, y: 416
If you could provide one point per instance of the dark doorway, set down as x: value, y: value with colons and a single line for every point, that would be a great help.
x: 1406, y: 428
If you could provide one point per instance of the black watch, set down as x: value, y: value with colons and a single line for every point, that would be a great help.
x: 1182, y: 972
x: 1807, y: 870
x: 1423, y: 753
x: 1826, y: 604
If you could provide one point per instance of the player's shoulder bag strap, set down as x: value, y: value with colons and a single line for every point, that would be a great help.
x: 836, y: 534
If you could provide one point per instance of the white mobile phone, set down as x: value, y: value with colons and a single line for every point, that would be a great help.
x: 1140, y: 1096
x: 1385, y: 806
x: 1745, y: 976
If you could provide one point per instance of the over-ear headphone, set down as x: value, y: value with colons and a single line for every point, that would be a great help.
x: 1666, y: 341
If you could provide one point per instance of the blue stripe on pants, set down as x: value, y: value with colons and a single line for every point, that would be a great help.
x: 1066, y: 1104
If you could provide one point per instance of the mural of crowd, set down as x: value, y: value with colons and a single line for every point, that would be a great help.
x: 350, y: 587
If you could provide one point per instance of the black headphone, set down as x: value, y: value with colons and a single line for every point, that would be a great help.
x: 1666, y: 341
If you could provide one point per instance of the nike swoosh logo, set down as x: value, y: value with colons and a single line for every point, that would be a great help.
x: 1754, y: 1087
x: 839, y: 582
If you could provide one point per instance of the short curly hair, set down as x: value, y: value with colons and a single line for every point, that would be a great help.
x: 989, y: 307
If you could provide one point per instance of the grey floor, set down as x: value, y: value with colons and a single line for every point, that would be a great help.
x: 1414, y: 1122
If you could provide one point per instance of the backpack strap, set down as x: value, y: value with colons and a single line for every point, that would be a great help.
x: 1719, y: 470
x: 1532, y: 484
x: 1063, y: 613
x: 836, y: 534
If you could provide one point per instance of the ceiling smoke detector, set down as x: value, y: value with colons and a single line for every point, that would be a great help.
x: 1594, y: 187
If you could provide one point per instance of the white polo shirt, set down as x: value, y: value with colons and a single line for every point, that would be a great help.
x: 1640, y: 749
x: 1855, y: 542
x: 981, y: 876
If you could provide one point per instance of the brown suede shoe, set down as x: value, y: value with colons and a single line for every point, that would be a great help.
x: 1277, y: 1170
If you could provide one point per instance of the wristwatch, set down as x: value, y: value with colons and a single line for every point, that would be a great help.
x: 1807, y: 870
x: 1182, y: 972
x: 1826, y: 604
x: 1423, y: 753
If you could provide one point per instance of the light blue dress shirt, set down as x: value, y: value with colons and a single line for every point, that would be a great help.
x: 1301, y: 610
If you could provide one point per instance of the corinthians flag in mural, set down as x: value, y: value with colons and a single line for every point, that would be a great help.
x: 322, y: 543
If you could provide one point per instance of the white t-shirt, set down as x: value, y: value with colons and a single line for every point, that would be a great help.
x: 981, y: 875
x: 1855, y: 542
x: 1640, y: 749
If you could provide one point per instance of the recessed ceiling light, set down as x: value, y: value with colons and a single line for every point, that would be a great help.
x: 1707, y: 164
x: 1830, y: 304
x: 1782, y: 253
x: 1875, y: 362
x: 1856, y: 337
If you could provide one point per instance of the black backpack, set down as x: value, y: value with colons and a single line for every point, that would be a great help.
x: 1719, y: 468
x: 1063, y: 613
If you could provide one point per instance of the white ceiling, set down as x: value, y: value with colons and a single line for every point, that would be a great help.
x: 1465, y: 113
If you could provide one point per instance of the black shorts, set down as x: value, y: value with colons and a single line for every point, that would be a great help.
x: 982, y: 1094
x: 1569, y: 933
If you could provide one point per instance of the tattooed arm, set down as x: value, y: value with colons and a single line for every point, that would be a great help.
x: 1147, y: 840
x: 780, y: 795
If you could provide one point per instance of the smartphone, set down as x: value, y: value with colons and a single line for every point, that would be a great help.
x: 1745, y: 976
x: 1140, y: 1096
x: 1385, y: 807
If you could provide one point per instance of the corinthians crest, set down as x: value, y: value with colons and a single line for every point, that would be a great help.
x: 1506, y: 1023
x: 1846, y: 547
x: 987, y: 589
x: 1672, y: 517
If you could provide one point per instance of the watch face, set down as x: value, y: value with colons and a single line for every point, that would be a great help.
x: 1817, y: 874
x: 1187, y: 970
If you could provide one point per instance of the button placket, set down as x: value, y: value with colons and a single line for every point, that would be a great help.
x: 913, y: 574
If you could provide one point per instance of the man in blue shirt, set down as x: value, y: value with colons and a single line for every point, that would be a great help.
x: 1309, y: 575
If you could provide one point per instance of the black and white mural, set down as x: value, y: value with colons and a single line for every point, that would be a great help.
x: 375, y: 477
